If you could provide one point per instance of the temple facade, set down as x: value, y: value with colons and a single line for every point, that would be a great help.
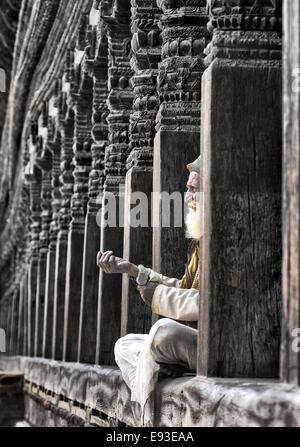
x: 107, y: 100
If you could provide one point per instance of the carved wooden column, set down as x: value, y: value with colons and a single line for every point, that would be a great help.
x: 97, y: 61
x: 22, y: 321
x: 7, y: 316
x: 116, y: 15
x: 177, y: 142
x: 21, y: 221
x: 66, y: 123
x: 290, y: 358
x: 82, y: 97
x: 44, y: 161
x: 146, y: 47
x: 54, y: 146
x: 240, y: 277
x: 33, y: 176
x: 7, y: 326
x: 3, y: 317
x: 20, y: 335
x: 14, y: 322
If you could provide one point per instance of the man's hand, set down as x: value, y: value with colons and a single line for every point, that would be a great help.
x: 147, y: 292
x: 112, y: 264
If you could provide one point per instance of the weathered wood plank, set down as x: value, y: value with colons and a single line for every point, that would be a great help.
x: 241, y: 249
x: 290, y: 360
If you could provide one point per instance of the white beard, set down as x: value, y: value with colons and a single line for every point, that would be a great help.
x: 193, y: 223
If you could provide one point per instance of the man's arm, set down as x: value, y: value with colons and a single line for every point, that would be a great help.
x: 161, y: 279
x: 112, y: 264
x: 171, y: 302
x: 179, y: 304
x: 161, y: 293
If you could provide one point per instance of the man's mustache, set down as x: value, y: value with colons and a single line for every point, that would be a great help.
x: 193, y: 205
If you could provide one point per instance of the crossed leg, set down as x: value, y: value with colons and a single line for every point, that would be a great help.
x: 173, y: 346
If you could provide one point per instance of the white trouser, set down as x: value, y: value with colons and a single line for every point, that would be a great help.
x: 139, y: 355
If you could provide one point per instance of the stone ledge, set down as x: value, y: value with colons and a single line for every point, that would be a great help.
x: 99, y: 396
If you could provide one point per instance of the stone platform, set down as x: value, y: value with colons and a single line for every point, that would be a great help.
x: 73, y: 394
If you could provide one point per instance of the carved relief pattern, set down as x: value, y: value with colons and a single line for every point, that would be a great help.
x: 146, y: 46
x: 66, y: 126
x: 81, y: 98
x: 185, y: 36
x: 245, y: 30
x: 54, y: 145
x: 44, y: 162
x: 34, y: 180
x: 98, y: 62
x: 115, y: 18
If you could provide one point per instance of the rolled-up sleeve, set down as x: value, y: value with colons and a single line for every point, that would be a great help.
x: 179, y: 304
x: 158, y: 277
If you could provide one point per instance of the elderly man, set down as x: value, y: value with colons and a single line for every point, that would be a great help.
x: 170, y: 349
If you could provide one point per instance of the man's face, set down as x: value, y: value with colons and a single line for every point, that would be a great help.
x: 193, y: 189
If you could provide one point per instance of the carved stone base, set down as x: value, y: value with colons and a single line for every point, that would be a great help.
x: 77, y: 395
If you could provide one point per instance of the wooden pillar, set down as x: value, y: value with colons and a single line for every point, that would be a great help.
x: 98, y: 64
x: 44, y: 161
x: 20, y: 335
x: 23, y: 323
x: 82, y: 97
x: 3, y: 313
x: 120, y: 104
x: 54, y: 145
x: 34, y: 177
x: 177, y: 140
x: 136, y: 317
x: 5, y: 320
x: 66, y: 126
x: 8, y: 323
x: 290, y: 359
x: 14, y: 322
x: 24, y: 239
x: 240, y: 276
x: 31, y: 305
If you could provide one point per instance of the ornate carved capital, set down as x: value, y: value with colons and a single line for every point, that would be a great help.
x: 99, y: 120
x: 35, y: 208
x: 185, y: 36
x: 65, y: 127
x: 120, y: 94
x: 245, y: 29
x: 55, y: 147
x: 146, y: 48
x: 82, y: 102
